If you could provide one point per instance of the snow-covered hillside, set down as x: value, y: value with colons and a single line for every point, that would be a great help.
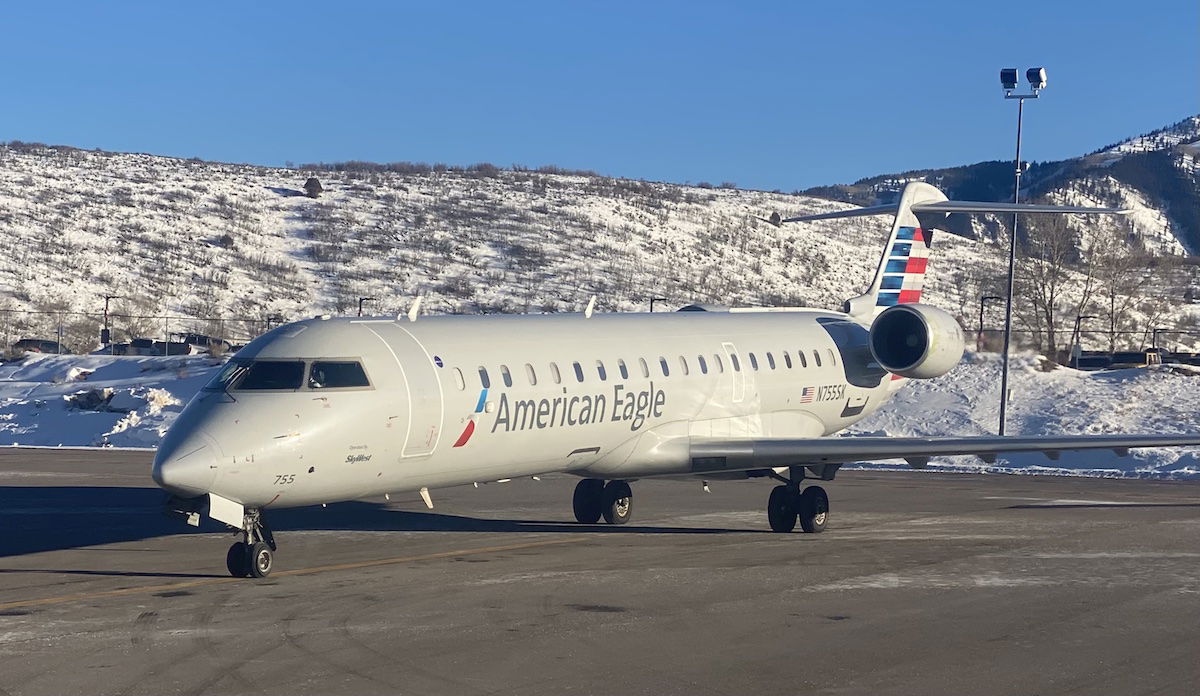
x: 205, y: 240
x: 130, y: 402
x: 227, y: 247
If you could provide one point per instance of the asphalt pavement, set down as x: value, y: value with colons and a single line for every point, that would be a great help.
x: 922, y: 584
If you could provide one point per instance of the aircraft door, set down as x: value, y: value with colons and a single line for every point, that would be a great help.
x: 738, y: 375
x: 425, y: 400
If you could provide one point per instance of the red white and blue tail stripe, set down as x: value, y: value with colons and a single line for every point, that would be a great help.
x: 903, y: 274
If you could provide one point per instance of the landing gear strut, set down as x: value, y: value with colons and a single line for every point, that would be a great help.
x: 255, y: 554
x: 594, y: 499
x: 788, y: 504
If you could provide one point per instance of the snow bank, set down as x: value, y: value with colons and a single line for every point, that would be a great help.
x: 1048, y: 399
x: 96, y: 400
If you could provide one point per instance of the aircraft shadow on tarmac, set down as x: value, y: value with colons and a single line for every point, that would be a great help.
x: 46, y: 518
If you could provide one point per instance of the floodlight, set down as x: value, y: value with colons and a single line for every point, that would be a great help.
x: 1036, y: 77
x: 1008, y: 78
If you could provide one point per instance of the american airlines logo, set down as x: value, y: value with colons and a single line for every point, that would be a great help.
x: 628, y: 406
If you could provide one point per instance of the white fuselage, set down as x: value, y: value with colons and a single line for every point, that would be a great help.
x: 612, y: 396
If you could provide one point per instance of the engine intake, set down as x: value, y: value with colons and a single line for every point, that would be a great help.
x: 917, y: 341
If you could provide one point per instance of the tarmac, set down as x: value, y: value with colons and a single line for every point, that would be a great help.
x: 922, y: 584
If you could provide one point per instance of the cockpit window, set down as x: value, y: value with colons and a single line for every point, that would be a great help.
x: 269, y: 374
x: 232, y: 370
x: 340, y: 374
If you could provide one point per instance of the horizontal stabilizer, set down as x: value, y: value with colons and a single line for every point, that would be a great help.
x: 960, y: 207
x: 889, y: 208
x: 977, y: 207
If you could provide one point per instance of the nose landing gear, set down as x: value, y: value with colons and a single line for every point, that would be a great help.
x: 255, y: 554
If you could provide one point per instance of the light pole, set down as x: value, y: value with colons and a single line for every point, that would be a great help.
x: 106, y: 335
x: 656, y: 299
x: 1076, y: 338
x: 361, y: 300
x: 979, y: 336
x: 1037, y: 82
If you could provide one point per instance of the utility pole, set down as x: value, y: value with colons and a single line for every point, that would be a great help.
x: 979, y: 336
x: 106, y: 335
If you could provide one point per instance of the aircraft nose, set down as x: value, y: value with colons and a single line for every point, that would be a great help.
x: 186, y: 471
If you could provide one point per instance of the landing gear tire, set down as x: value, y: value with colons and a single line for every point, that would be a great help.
x: 260, y: 559
x: 618, y: 502
x: 237, y: 560
x: 781, y: 509
x: 254, y: 555
x: 813, y: 509
x: 588, y: 501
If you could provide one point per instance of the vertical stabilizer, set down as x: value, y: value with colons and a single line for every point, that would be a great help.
x: 900, y: 276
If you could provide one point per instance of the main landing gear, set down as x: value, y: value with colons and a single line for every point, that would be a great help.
x: 594, y: 499
x: 788, y: 504
x: 255, y: 554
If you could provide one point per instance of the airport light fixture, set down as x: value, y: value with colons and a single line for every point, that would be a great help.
x: 656, y: 299
x: 361, y: 300
x: 1036, y: 77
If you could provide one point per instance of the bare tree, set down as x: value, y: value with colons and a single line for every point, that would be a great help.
x: 1122, y: 269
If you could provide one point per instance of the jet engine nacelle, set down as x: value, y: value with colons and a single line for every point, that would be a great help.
x: 916, y: 340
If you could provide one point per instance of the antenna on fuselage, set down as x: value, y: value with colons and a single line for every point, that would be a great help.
x: 415, y: 309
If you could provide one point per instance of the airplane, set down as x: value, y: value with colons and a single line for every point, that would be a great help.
x: 336, y: 409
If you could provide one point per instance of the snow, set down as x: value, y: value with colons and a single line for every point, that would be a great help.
x: 76, y: 400
x: 131, y: 401
x: 1048, y: 399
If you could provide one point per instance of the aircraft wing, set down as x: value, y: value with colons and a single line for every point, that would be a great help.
x: 764, y: 453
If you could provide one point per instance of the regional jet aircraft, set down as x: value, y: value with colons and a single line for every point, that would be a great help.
x: 336, y: 409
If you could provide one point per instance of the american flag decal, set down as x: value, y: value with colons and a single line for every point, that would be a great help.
x: 807, y: 394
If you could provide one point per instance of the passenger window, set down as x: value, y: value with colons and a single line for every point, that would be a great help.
x: 578, y: 371
x: 458, y: 379
x: 555, y: 374
x: 803, y: 361
x: 272, y: 374
x: 484, y: 379
x: 787, y: 359
x: 703, y: 364
x: 531, y: 374
x: 624, y: 370
x: 600, y: 370
x: 817, y: 358
x: 753, y: 361
x: 718, y: 362
x: 662, y: 363
x: 337, y: 375
x: 771, y: 360
x: 504, y: 375
x: 737, y: 364
x: 645, y: 367
x: 684, y: 366
x: 832, y: 357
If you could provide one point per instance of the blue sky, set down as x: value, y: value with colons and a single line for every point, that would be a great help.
x: 768, y: 95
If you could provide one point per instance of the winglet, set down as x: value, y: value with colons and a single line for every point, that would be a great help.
x: 591, y: 307
x: 415, y: 309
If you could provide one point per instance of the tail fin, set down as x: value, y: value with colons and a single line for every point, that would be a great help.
x: 922, y: 208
